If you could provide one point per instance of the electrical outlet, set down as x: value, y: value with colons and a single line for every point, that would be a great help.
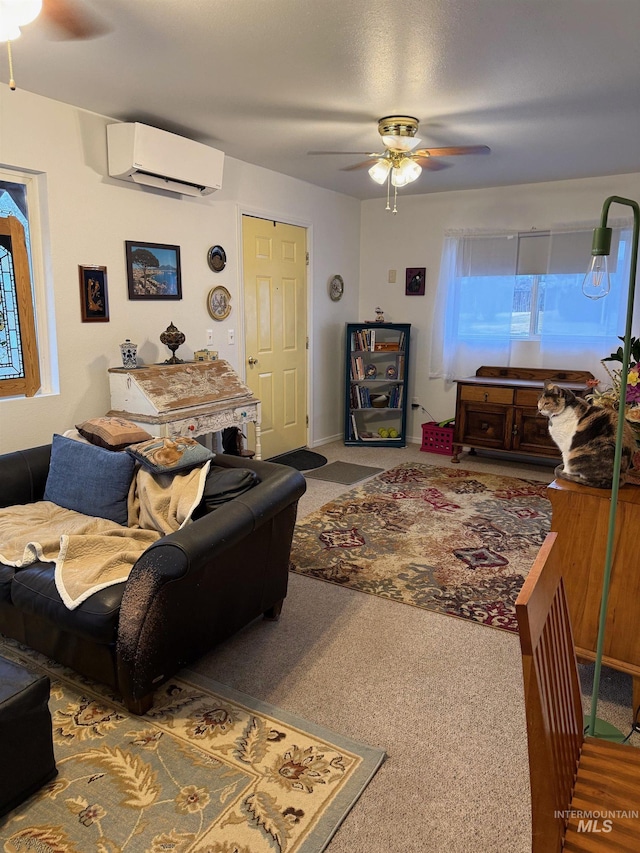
x: 231, y: 336
x: 209, y: 336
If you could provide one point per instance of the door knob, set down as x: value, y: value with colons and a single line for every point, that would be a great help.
x: 252, y: 360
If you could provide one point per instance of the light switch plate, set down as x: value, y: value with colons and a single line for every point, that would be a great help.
x: 392, y: 277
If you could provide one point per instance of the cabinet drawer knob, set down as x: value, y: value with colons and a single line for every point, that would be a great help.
x: 486, y: 396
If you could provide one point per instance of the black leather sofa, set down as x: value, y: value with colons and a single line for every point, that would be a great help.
x: 186, y: 593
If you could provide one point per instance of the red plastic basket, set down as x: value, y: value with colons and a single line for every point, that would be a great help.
x: 437, y: 439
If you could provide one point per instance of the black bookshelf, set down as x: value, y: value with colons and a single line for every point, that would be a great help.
x: 376, y: 384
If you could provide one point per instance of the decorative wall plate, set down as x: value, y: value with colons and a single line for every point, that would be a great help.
x: 336, y: 288
x: 219, y: 303
x: 217, y: 258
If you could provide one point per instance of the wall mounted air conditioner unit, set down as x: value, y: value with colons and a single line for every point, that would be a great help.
x: 157, y: 158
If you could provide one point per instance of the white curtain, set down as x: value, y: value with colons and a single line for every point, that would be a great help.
x: 472, y: 318
x: 474, y: 301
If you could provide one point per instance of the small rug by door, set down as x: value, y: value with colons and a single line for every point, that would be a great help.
x: 444, y: 539
x: 207, y: 770
x: 301, y: 459
x: 343, y: 472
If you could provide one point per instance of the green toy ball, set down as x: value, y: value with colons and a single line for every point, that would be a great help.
x: 393, y: 433
x: 383, y: 433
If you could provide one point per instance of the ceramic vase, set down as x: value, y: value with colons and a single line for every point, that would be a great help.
x: 129, y: 352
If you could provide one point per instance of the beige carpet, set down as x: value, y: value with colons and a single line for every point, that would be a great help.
x: 443, y: 697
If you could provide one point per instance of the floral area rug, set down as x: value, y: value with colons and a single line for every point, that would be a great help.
x: 207, y: 769
x: 444, y: 539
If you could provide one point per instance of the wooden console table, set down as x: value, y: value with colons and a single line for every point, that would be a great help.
x: 581, y: 519
x: 194, y: 398
x: 497, y: 409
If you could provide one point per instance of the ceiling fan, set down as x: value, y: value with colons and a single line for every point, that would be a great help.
x: 401, y: 162
x: 69, y: 19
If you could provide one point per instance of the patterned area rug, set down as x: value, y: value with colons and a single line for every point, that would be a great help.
x: 454, y: 541
x: 207, y: 770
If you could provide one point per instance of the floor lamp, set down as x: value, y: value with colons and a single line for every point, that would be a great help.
x: 596, y: 284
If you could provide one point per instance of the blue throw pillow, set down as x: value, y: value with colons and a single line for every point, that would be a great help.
x: 88, y: 479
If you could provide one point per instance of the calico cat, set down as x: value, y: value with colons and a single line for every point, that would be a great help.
x: 586, y: 437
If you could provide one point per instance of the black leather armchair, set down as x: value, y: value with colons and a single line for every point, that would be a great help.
x: 186, y: 593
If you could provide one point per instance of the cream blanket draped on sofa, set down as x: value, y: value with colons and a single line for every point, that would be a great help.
x: 92, y: 553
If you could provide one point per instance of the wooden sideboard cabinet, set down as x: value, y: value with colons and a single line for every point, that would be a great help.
x: 580, y: 516
x: 497, y: 409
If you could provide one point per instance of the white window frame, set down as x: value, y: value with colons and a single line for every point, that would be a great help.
x: 43, y: 297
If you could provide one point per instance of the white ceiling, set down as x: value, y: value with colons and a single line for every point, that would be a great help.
x: 551, y: 86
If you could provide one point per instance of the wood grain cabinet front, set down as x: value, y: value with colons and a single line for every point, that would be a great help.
x: 497, y: 410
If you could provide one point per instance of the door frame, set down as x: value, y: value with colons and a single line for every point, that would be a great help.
x: 285, y: 219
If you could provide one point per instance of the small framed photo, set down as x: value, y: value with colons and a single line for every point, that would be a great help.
x: 94, y: 298
x: 153, y: 271
x: 415, y: 281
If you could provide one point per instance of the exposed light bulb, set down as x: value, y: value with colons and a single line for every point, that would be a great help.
x: 380, y: 170
x: 596, y: 282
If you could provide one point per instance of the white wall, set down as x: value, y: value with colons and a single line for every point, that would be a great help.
x: 413, y: 238
x: 89, y: 217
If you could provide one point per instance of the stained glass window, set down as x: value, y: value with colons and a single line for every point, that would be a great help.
x: 19, y: 372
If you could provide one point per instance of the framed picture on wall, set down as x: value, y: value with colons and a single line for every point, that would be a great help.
x: 153, y: 271
x: 94, y: 298
x: 415, y: 281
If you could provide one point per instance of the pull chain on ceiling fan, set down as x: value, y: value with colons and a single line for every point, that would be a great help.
x: 13, y: 15
x: 401, y: 163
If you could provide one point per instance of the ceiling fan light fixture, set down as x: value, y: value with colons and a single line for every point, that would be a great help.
x: 15, y: 14
x: 406, y: 172
x: 401, y: 143
x: 380, y: 171
x: 8, y: 30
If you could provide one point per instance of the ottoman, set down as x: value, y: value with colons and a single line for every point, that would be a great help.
x: 26, y: 738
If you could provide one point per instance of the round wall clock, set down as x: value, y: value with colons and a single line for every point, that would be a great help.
x: 217, y: 258
x: 219, y: 303
x: 336, y: 288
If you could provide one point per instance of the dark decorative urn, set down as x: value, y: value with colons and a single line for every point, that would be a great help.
x: 173, y: 338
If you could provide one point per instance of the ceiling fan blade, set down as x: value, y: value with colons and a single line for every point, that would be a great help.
x: 71, y: 21
x: 430, y: 164
x: 365, y: 164
x: 361, y: 153
x: 452, y: 150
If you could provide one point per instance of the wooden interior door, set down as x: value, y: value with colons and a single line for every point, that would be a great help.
x: 275, y: 291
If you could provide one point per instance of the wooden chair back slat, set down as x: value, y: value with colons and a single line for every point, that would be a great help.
x: 552, y: 696
x: 571, y: 777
